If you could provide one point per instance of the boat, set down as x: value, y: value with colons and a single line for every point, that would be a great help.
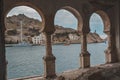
x: 67, y: 43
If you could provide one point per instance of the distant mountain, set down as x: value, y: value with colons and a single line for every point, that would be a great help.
x: 31, y: 27
x: 14, y: 22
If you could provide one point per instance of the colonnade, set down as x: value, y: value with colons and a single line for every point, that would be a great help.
x: 48, y: 29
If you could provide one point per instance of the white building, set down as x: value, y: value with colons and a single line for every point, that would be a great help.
x: 73, y: 37
x: 38, y: 39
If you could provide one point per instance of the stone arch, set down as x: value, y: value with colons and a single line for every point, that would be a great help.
x: 109, y: 55
x: 106, y: 20
x: 28, y: 5
x: 76, y: 14
x: 96, y: 29
x: 37, y: 9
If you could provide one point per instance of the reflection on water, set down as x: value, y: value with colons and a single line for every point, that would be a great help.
x: 27, y: 61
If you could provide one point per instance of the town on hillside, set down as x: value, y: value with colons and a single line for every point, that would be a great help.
x: 30, y: 32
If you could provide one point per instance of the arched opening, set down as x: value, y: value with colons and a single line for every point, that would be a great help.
x: 67, y: 21
x: 23, y: 25
x: 99, y: 24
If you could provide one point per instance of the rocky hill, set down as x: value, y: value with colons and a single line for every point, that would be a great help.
x: 31, y: 28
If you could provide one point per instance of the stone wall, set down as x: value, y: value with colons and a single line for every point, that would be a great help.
x: 117, y: 21
x: 100, y: 72
x: 82, y: 9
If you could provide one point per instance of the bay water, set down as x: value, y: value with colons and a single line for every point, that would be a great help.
x: 28, y: 61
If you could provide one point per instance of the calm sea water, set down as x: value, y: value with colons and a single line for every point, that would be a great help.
x: 27, y: 61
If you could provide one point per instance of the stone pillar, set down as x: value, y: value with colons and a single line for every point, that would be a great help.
x: 84, y: 56
x: 49, y: 59
x: 3, y: 64
x: 110, y: 52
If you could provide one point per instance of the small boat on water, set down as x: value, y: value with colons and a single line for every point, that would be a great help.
x: 66, y: 44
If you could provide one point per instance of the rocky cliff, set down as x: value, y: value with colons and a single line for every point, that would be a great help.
x: 31, y: 27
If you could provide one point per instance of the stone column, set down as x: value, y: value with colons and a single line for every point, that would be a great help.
x: 84, y: 56
x: 3, y: 64
x: 49, y: 59
x: 110, y: 51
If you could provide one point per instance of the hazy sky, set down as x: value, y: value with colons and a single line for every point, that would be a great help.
x: 62, y: 18
x: 30, y: 12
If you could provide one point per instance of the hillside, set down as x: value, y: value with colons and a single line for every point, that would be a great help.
x: 31, y: 28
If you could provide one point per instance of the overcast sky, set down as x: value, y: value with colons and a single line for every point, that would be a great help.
x: 62, y: 18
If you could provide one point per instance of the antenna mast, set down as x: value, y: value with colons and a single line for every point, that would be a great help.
x: 21, y: 36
